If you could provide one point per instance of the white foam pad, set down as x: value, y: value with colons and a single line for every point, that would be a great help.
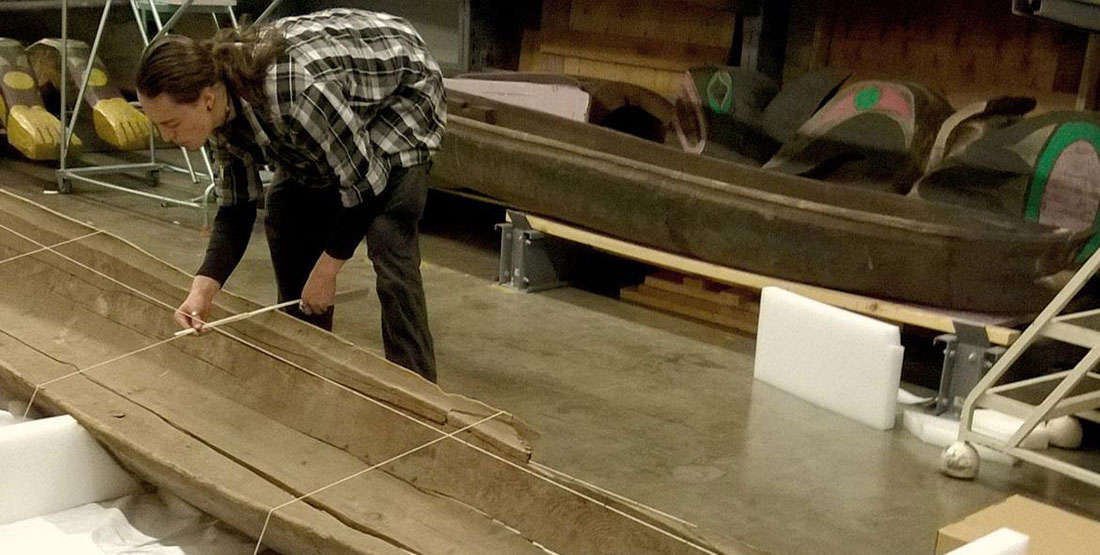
x: 53, y: 464
x: 1002, y: 541
x: 1002, y: 426
x: 560, y: 100
x: 150, y: 524
x: 836, y: 359
x: 942, y: 432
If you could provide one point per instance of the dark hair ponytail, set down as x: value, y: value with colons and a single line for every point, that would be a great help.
x: 183, y: 67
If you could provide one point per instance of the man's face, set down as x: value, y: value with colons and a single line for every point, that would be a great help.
x: 187, y: 125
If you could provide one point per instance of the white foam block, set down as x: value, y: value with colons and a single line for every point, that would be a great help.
x: 1002, y: 426
x: 150, y: 524
x: 942, y: 432
x: 560, y: 100
x: 836, y: 359
x: 1003, y: 541
x: 53, y: 464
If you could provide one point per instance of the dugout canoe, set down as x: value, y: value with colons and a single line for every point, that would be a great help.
x: 836, y: 236
x: 243, y: 421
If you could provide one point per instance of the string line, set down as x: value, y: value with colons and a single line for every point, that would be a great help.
x: 361, y: 395
x: 38, y: 387
x: 584, y: 496
x: 260, y: 540
x: 91, y: 269
x: 44, y: 249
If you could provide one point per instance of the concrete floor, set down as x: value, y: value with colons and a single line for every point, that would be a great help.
x: 650, y: 406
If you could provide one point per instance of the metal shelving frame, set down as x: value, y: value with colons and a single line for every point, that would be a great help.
x: 66, y: 175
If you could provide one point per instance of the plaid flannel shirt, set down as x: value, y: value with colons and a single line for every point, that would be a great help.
x: 356, y: 94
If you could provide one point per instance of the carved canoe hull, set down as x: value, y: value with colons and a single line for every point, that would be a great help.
x: 836, y: 236
x: 243, y: 421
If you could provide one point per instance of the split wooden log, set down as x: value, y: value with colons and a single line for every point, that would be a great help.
x: 268, y: 410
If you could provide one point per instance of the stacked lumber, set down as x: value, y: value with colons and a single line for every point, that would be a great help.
x: 649, y: 43
x: 735, y: 308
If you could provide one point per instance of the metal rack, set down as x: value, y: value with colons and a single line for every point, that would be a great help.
x: 1036, y: 400
x: 67, y: 175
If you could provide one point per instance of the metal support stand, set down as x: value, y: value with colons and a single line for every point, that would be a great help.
x: 967, y: 356
x: 1036, y: 400
x: 529, y: 260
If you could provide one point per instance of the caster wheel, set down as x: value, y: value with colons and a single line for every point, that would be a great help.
x: 960, y: 460
x: 154, y: 177
x: 65, y: 186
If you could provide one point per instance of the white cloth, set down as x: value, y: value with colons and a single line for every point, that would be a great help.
x: 150, y: 523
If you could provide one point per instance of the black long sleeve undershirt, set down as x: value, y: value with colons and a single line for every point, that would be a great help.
x: 228, y: 240
x: 233, y: 228
x: 351, y: 227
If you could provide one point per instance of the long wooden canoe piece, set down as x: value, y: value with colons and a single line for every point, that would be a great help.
x: 241, y: 422
x: 803, y: 230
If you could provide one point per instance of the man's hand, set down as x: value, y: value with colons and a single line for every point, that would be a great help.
x: 195, y: 310
x: 320, y: 289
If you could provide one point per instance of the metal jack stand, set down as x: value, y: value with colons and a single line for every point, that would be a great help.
x: 967, y: 356
x: 529, y: 260
x: 1035, y: 400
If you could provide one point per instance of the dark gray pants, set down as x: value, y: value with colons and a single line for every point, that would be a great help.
x: 299, y: 222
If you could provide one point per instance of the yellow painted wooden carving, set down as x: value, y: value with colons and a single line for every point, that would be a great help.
x: 98, y: 78
x: 19, y: 80
x: 36, y: 133
x: 120, y: 124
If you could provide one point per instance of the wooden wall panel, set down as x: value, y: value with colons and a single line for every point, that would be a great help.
x: 649, y: 53
x: 646, y: 42
x: 654, y: 19
x: 968, y: 48
x: 663, y: 82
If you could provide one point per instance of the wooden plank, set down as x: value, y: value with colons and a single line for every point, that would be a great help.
x: 555, y: 14
x: 705, y: 290
x: 727, y: 5
x: 261, y: 404
x: 375, y: 502
x: 683, y: 305
x: 654, y: 19
x: 663, y: 82
x: 641, y: 52
x: 989, y: 50
x: 531, y: 59
x: 196, y: 472
x: 695, y: 303
x: 1088, y: 92
x: 923, y: 317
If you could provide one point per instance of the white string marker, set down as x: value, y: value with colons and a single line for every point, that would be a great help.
x: 235, y: 317
x: 42, y: 248
x: 342, y: 296
x: 260, y: 540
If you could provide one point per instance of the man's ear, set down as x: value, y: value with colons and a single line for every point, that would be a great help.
x: 208, y: 98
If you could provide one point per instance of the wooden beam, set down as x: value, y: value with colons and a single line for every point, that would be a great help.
x: 654, y: 19
x: 685, y: 305
x: 923, y: 317
x: 642, y: 52
x: 1088, y: 92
